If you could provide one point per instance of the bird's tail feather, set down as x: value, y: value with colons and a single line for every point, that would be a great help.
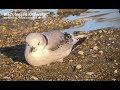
x: 77, y: 40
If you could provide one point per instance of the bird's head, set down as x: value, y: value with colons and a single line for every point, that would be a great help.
x: 36, y: 40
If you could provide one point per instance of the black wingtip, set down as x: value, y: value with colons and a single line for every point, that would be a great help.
x: 81, y: 40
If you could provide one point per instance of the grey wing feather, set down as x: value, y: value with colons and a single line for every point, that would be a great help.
x: 57, y: 39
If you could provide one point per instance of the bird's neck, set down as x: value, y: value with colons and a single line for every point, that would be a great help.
x: 40, y: 52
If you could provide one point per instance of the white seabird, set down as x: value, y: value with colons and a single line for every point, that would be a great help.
x: 47, y: 47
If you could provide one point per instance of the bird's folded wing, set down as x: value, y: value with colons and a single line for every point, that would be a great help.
x: 57, y: 39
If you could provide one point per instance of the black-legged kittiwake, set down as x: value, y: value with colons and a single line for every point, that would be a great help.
x: 47, y: 47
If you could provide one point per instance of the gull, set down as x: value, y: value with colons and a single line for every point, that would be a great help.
x: 47, y: 47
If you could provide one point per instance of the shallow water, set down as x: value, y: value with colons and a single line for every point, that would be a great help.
x: 107, y: 13
x: 93, y: 25
x: 100, y: 18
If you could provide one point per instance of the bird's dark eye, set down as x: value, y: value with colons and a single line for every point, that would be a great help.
x: 39, y: 43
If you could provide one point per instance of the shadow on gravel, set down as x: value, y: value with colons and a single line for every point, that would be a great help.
x: 15, y: 52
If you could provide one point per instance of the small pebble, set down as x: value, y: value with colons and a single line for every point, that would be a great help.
x: 78, y: 66
x: 82, y: 57
x: 101, y: 52
x: 81, y: 52
x: 100, y: 31
x: 35, y: 27
x: 90, y: 73
x: 108, y: 44
x: 117, y: 48
x: 104, y: 31
x: 70, y: 60
x: 33, y: 77
x: 115, y: 61
x: 114, y: 79
x: 117, y: 35
x: 6, y: 77
x: 76, y: 77
x: 58, y: 79
x: 36, y: 23
x: 115, y: 71
x: 95, y: 48
x: 113, y: 42
x: 101, y: 36
x: 112, y: 39
x: 94, y: 56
